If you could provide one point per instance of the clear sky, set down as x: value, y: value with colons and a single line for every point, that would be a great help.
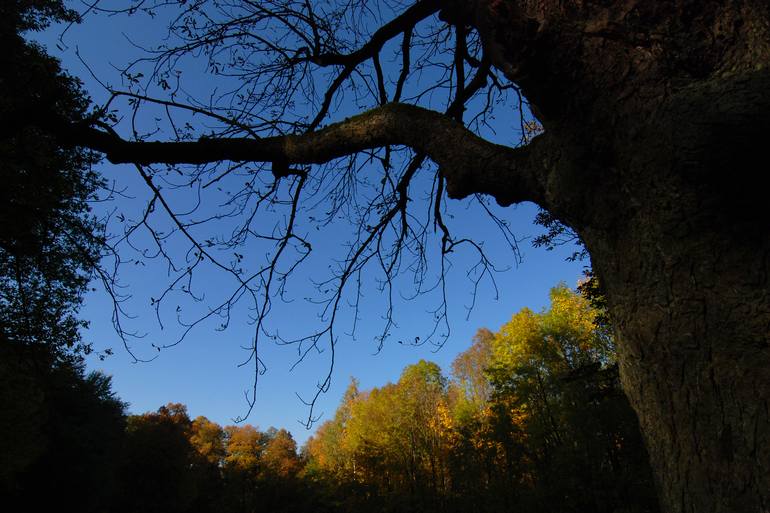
x: 203, y: 372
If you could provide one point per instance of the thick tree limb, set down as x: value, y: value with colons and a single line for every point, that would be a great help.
x: 469, y: 163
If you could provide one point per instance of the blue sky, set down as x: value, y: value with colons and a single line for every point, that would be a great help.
x: 203, y: 372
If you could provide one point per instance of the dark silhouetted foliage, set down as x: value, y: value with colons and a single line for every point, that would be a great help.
x: 49, y: 241
x: 61, y: 432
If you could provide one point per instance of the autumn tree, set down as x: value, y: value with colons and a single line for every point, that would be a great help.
x: 554, y: 378
x: 244, y: 446
x: 156, y: 471
x: 552, y: 430
x: 280, y: 456
x: 654, y: 116
x: 332, y: 464
x: 488, y: 462
x: 279, y: 486
x: 418, y: 423
x: 387, y: 448
x: 173, y: 463
x: 207, y: 440
x: 469, y: 372
x: 328, y: 448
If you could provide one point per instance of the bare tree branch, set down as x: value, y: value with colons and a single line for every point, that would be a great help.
x: 274, y: 72
x: 469, y: 163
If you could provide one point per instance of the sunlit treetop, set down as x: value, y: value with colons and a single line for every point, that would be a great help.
x: 564, y: 336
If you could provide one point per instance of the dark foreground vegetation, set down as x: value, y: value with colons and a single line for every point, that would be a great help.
x: 532, y: 418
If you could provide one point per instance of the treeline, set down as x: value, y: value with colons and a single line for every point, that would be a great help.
x: 173, y: 463
x: 64, y: 436
x: 532, y: 418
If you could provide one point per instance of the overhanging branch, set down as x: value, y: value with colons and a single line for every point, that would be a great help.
x: 470, y: 164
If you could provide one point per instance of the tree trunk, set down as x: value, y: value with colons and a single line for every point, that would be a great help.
x: 686, y: 272
x: 658, y: 114
x: 693, y: 326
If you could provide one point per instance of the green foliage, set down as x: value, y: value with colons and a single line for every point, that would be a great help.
x: 22, y: 15
x: 48, y: 252
x: 61, y: 432
x: 558, y: 234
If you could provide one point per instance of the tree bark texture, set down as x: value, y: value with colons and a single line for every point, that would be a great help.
x: 658, y: 114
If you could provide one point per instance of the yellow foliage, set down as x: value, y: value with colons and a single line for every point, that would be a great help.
x: 244, y: 446
x: 515, y: 343
x: 561, y: 337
